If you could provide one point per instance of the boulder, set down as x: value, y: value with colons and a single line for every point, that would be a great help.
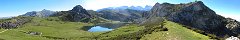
x: 34, y: 33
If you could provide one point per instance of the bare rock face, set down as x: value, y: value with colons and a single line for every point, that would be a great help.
x: 197, y: 15
x: 233, y: 25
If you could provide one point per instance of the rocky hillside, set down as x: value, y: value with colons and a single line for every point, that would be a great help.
x: 14, y: 22
x: 197, y: 16
x: 43, y: 13
x: 78, y: 14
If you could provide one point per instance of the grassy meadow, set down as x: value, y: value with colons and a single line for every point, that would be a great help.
x: 54, y: 29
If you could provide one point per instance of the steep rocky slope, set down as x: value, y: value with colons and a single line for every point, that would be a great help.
x: 197, y: 16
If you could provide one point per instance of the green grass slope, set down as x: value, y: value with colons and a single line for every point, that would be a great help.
x: 175, y: 32
x: 50, y: 28
x: 134, y: 32
x: 119, y: 33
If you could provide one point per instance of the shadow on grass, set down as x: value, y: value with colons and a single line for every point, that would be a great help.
x: 50, y: 37
x: 2, y: 39
x: 85, y: 28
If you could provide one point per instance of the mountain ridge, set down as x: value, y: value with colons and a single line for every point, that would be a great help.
x: 43, y: 13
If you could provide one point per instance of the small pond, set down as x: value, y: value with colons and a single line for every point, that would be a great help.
x: 103, y: 27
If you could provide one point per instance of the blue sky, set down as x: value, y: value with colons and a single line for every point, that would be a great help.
x: 227, y: 8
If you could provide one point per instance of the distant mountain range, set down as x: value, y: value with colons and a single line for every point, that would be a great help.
x: 5, y: 17
x: 146, y: 8
x: 123, y: 13
x: 43, y: 13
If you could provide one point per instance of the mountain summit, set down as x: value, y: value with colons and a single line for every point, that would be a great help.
x: 78, y: 8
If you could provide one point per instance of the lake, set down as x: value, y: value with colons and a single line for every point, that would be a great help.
x: 103, y: 27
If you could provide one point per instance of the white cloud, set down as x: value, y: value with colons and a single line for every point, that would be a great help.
x: 98, y: 4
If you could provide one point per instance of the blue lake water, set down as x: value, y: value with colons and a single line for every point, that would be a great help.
x: 103, y: 27
x: 99, y: 29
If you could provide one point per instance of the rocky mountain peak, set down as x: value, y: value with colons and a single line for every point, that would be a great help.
x: 157, y: 5
x: 78, y: 8
x: 196, y: 6
x: 199, y: 2
x: 161, y: 9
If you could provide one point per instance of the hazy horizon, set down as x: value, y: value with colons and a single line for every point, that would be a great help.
x: 18, y: 7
